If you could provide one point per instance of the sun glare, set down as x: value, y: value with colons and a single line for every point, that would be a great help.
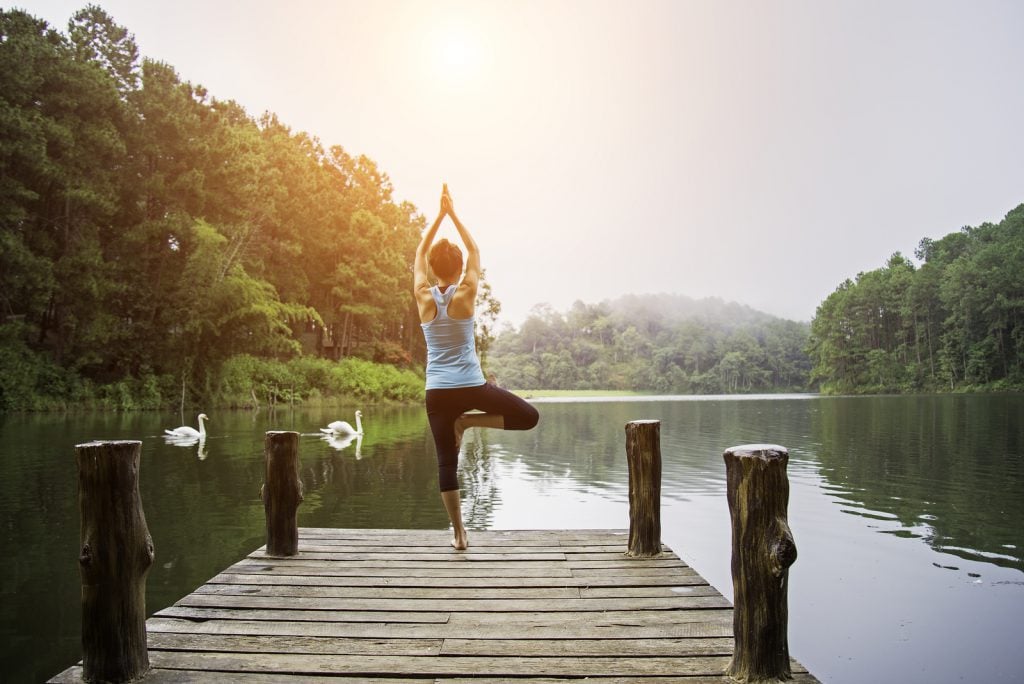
x: 456, y: 54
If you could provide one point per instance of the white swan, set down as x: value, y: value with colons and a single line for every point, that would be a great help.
x: 186, y: 431
x: 341, y: 427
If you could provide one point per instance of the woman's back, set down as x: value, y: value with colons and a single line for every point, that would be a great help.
x: 451, y: 347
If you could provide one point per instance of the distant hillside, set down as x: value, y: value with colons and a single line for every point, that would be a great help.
x: 659, y: 343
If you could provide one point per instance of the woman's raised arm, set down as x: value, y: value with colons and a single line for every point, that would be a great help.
x: 472, y: 278
x: 420, y: 281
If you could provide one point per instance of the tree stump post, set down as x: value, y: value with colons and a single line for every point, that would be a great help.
x: 762, y: 551
x: 116, y: 554
x: 282, y: 492
x: 643, y: 456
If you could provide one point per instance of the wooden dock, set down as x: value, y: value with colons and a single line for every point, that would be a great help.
x: 401, y: 605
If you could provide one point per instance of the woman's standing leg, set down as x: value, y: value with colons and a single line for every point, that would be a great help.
x: 443, y: 410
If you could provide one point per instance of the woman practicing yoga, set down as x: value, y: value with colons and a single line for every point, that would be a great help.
x: 455, y: 382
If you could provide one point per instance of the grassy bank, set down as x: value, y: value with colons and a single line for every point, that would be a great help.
x: 241, y: 381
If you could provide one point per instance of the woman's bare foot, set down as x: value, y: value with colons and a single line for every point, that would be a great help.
x: 460, y: 542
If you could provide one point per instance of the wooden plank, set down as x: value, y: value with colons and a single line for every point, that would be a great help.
x: 349, y: 546
x: 176, y: 641
x: 419, y: 544
x: 190, y: 613
x: 312, y: 578
x: 622, y: 572
x: 588, y: 647
x: 616, y: 618
x: 623, y: 563
x: 558, y: 630
x: 74, y: 676
x: 562, y: 620
x: 424, y: 557
x: 648, y: 592
x: 460, y: 605
x: 351, y: 533
x: 446, y: 593
x: 458, y: 560
x: 462, y: 562
x: 419, y: 666
x: 798, y: 678
x: 301, y: 566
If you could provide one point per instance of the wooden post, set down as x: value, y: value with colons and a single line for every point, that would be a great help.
x: 762, y: 551
x: 282, y: 492
x: 643, y: 456
x: 117, y: 551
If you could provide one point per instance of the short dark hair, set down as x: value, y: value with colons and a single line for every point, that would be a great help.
x: 445, y: 259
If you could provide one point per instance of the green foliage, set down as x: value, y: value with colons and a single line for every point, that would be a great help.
x: 309, y: 379
x: 662, y: 343
x: 150, y: 233
x: 955, y: 323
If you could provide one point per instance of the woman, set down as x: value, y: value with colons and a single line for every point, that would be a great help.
x: 455, y: 382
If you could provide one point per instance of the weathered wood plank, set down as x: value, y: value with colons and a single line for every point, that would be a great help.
x: 237, y: 643
x: 302, y: 615
x: 608, y: 561
x: 611, y: 618
x: 645, y: 571
x: 560, y: 630
x: 339, y: 546
x: 300, y: 566
x: 648, y: 592
x: 602, y: 535
x: 396, y: 592
x: 74, y: 676
x: 798, y: 678
x: 587, y: 647
x: 468, y: 605
x: 426, y: 557
x: 312, y: 578
x: 412, y: 666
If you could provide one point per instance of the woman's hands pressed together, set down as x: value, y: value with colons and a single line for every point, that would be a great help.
x: 446, y: 202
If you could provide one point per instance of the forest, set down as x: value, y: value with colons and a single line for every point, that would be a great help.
x: 157, y: 242
x: 160, y: 246
x: 955, y: 323
x: 653, y: 343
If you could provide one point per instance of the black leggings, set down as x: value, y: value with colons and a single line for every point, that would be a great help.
x: 444, y: 406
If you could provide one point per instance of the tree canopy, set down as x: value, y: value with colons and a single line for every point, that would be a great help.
x: 149, y: 229
x: 955, y: 322
x: 654, y: 343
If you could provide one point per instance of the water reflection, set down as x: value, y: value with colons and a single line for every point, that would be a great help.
x: 187, y: 443
x: 912, y: 485
x: 946, y: 470
x: 342, y: 442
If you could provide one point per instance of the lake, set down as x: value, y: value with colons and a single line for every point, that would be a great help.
x: 908, y: 512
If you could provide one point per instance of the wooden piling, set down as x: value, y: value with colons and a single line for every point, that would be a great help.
x: 762, y: 551
x: 282, y: 492
x: 643, y: 456
x: 116, y: 554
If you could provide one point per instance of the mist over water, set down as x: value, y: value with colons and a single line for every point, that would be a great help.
x: 906, y: 511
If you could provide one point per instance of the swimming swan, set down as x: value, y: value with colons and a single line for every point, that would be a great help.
x: 341, y: 427
x: 186, y: 431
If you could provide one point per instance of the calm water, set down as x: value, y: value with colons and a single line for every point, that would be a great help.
x: 907, y: 512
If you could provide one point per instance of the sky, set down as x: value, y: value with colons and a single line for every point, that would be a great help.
x: 760, y: 152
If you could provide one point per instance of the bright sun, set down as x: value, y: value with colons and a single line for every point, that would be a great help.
x: 456, y: 54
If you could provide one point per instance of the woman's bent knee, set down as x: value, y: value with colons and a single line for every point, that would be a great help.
x: 524, y: 419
